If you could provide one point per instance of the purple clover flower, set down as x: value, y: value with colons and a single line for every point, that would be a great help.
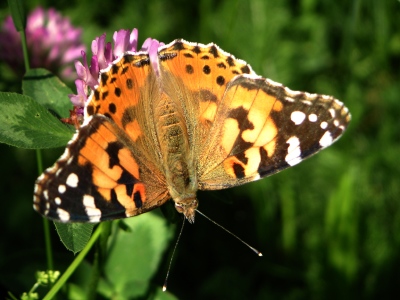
x: 103, y: 56
x: 53, y: 43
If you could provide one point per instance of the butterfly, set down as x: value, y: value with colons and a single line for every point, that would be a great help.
x: 201, y: 120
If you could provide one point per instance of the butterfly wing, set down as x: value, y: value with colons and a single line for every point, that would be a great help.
x: 110, y: 168
x: 242, y: 127
x: 126, y: 95
x: 263, y: 128
x: 195, y: 76
x: 99, y: 177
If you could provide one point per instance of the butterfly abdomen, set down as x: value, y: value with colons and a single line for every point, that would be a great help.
x: 174, y: 144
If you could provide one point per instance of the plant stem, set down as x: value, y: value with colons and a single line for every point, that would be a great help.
x: 72, y: 267
x: 25, y: 51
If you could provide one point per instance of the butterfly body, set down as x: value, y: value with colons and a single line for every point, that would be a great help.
x: 201, y: 120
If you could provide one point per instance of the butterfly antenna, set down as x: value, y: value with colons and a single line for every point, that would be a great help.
x: 164, y: 288
x: 234, y: 235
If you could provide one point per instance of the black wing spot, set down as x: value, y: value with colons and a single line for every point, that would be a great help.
x: 179, y: 45
x: 214, y: 51
x: 124, y: 70
x: 245, y: 69
x: 137, y: 198
x: 206, y: 69
x: 127, y: 116
x: 238, y: 170
x: 196, y: 49
x: 189, y: 69
x: 221, y: 65
x: 114, y: 69
x: 90, y: 110
x: 128, y: 59
x: 220, y: 80
x: 112, y: 150
x: 104, y: 77
x: 112, y: 108
x: 129, y: 83
x: 230, y: 61
x: 96, y: 95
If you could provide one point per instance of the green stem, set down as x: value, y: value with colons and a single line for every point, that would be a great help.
x: 72, y: 267
x: 46, y: 223
x: 47, y: 238
x: 95, y: 276
x: 25, y: 51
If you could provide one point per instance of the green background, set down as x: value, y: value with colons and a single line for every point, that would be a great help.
x: 328, y: 228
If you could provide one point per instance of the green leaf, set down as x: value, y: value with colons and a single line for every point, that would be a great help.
x: 26, y: 124
x: 48, y: 90
x: 18, y: 14
x: 160, y: 295
x: 134, y: 256
x: 74, y: 236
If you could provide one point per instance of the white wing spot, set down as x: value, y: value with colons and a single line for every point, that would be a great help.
x: 88, y: 201
x: 324, y: 125
x: 332, y: 112
x: 92, y: 211
x: 57, y: 200
x: 326, y: 139
x: 46, y: 194
x: 297, y: 117
x: 52, y: 169
x: 313, y: 118
x: 65, y: 154
x: 63, y: 215
x: 58, y: 172
x: 72, y: 180
x: 336, y: 123
x: 47, y: 208
x: 62, y: 188
x: 294, y: 152
x: 69, y: 161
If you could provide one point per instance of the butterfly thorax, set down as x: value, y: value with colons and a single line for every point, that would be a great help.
x: 178, y: 164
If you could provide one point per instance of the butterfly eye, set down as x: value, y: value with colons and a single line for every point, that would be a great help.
x: 179, y: 208
x: 194, y: 204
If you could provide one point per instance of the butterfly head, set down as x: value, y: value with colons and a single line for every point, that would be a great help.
x: 188, y: 208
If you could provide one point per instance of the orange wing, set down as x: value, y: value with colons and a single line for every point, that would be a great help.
x: 99, y: 177
x: 110, y: 168
x: 196, y: 76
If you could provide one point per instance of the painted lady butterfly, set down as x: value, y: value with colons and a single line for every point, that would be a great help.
x: 202, y: 120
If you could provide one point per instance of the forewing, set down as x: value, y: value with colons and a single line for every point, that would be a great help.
x: 126, y: 94
x: 195, y: 77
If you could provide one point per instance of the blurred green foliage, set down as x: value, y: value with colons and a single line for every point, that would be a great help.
x: 328, y: 228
